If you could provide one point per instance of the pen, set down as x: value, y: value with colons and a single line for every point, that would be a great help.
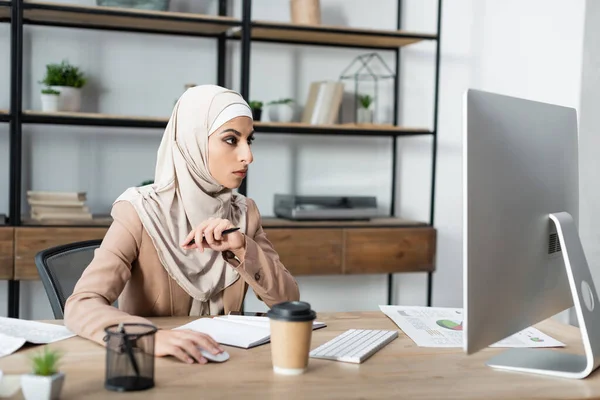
x: 129, y: 350
x: 225, y: 232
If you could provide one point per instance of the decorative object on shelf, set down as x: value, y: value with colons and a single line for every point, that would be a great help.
x: 256, y: 107
x: 323, y: 103
x: 50, y: 99
x: 364, y: 115
x: 281, y: 110
x: 305, y: 12
x: 367, y: 72
x: 45, y: 382
x: 68, y: 80
x: 156, y: 5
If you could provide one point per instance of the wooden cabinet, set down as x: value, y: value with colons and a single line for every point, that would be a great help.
x: 309, y: 251
x: 389, y: 250
x: 30, y: 240
x: 7, y: 259
x: 317, y: 249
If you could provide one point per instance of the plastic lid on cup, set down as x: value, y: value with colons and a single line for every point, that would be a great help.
x: 293, y: 311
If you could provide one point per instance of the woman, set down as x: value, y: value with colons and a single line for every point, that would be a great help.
x: 146, y: 259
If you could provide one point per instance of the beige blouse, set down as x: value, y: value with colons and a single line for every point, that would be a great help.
x: 126, y: 267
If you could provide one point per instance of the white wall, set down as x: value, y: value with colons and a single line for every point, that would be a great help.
x: 531, y: 50
x: 589, y: 141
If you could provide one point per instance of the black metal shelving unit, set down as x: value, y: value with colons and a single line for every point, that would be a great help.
x: 222, y: 28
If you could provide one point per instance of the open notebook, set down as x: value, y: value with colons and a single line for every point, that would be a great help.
x: 237, y: 330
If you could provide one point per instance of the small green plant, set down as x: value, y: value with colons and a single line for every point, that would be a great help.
x: 365, y: 100
x: 281, y: 101
x: 147, y: 182
x: 64, y: 74
x: 45, y: 363
x: 256, y: 105
x: 50, y: 91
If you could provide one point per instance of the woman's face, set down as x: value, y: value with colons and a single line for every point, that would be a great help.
x: 229, y: 152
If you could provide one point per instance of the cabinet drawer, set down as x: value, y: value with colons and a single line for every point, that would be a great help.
x: 389, y: 250
x: 29, y: 241
x: 308, y: 251
x: 6, y: 253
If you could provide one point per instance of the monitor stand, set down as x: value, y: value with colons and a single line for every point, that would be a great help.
x: 585, y: 299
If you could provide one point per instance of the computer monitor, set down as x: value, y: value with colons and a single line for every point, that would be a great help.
x: 522, y: 258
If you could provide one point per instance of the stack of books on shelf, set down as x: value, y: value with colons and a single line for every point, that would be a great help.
x: 323, y: 103
x: 58, y: 206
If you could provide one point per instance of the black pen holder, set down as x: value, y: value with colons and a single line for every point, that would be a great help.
x: 129, y: 357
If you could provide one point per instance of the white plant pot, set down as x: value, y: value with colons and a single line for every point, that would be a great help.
x: 364, y: 116
x: 50, y: 102
x: 281, y: 113
x: 42, y: 387
x: 69, y: 98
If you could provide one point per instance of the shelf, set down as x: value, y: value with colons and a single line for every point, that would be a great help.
x: 4, y: 11
x: 92, y: 119
x: 339, y: 129
x: 97, y: 221
x: 126, y: 19
x: 272, y: 222
x: 4, y: 116
x: 338, y: 36
x: 267, y: 223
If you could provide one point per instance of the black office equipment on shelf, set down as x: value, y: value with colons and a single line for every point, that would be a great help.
x: 327, y: 208
x: 222, y: 28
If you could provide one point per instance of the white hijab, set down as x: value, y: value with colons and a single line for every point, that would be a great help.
x: 184, y: 194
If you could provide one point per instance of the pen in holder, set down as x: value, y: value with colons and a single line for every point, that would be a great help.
x: 129, y: 357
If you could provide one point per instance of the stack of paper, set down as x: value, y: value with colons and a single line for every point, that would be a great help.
x: 58, y: 205
x: 14, y: 333
x: 237, y: 330
x: 442, y: 327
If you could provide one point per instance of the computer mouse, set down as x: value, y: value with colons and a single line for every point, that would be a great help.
x: 221, y: 357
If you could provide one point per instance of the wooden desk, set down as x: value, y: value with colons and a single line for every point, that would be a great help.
x: 399, y: 370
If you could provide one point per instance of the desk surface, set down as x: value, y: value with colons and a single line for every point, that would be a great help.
x: 400, y: 370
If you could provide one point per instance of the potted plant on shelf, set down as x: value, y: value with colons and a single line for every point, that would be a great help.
x: 46, y: 381
x: 364, y: 115
x: 256, y: 107
x: 68, y: 80
x: 281, y: 110
x: 50, y: 99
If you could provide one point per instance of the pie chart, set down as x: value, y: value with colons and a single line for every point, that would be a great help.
x: 449, y: 324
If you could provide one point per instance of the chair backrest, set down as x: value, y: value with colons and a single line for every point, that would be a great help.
x: 61, y: 267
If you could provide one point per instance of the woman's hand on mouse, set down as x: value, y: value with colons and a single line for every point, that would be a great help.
x: 211, y: 231
x: 185, y: 345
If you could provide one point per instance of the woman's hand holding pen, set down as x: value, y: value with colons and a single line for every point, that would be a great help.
x: 214, y: 234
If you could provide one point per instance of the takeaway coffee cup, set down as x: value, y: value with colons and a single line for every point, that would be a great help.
x: 291, y: 333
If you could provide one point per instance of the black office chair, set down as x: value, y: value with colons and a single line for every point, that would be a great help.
x: 61, y: 267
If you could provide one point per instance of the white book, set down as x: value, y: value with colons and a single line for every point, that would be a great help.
x: 237, y: 330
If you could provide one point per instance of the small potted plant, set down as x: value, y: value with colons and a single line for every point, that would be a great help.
x: 68, y: 80
x: 45, y: 382
x: 281, y: 110
x: 364, y: 115
x: 256, y: 107
x: 50, y: 99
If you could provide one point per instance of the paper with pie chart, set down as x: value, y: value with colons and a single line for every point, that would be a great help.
x: 442, y: 327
